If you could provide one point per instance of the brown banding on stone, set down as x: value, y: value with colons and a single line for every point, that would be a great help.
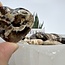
x: 15, y: 23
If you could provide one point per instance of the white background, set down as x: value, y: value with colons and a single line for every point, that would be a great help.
x: 52, y: 12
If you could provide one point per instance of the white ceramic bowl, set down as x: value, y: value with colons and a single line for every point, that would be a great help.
x: 39, y: 55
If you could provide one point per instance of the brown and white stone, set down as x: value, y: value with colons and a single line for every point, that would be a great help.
x: 15, y: 23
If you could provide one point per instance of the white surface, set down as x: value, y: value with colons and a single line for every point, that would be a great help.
x: 39, y: 55
x: 1, y: 40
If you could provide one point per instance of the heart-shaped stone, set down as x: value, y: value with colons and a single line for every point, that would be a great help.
x: 15, y: 23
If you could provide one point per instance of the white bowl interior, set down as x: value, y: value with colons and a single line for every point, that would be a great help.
x: 39, y: 55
